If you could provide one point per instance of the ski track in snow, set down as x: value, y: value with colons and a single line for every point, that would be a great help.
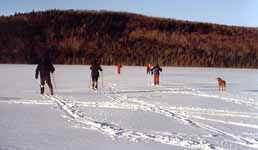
x: 169, y: 112
x: 114, y: 131
x: 225, y: 96
x: 123, y: 102
x: 185, y: 118
x: 28, y: 102
x: 182, y: 114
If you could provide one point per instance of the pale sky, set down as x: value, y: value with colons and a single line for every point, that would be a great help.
x: 229, y: 12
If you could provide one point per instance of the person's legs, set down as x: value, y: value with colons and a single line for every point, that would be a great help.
x: 42, y: 87
x: 50, y: 85
x: 92, y: 79
x: 156, y: 79
x: 42, y: 84
x: 93, y: 84
x: 96, y: 82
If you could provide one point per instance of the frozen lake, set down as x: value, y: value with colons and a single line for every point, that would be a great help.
x: 127, y: 112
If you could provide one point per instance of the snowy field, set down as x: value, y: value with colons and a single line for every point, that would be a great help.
x: 127, y: 112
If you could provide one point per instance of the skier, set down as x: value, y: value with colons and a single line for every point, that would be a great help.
x: 148, y: 66
x: 155, y: 70
x: 95, y: 68
x: 44, y: 68
x: 119, y: 66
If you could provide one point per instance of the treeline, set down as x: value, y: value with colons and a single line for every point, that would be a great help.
x: 77, y: 37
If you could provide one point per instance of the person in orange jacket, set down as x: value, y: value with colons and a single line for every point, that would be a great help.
x: 148, y: 66
x: 156, y: 70
x: 119, y: 66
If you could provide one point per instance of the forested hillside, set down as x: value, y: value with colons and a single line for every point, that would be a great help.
x: 77, y: 37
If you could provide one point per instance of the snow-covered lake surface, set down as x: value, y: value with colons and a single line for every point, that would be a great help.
x: 127, y: 112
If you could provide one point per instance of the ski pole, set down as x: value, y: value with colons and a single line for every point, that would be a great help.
x: 38, y: 82
x: 161, y: 78
x: 54, y: 82
x: 102, y: 79
x: 89, y: 82
x: 148, y: 80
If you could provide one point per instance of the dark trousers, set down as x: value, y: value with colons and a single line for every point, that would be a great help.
x: 95, y: 82
x: 148, y: 70
x: 45, y: 78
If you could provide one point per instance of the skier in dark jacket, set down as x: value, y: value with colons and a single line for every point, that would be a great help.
x: 44, y: 68
x: 156, y: 70
x: 95, y: 68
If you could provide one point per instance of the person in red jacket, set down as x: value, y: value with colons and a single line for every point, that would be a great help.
x: 156, y: 70
x: 148, y: 66
x: 119, y: 66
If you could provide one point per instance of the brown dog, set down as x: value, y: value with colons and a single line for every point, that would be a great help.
x: 222, y: 84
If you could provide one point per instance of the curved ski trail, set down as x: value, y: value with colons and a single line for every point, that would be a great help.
x: 114, y: 131
x: 185, y: 118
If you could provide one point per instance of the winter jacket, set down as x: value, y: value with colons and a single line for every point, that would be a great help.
x: 44, y: 68
x: 95, y: 70
x: 156, y: 69
x: 148, y: 66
